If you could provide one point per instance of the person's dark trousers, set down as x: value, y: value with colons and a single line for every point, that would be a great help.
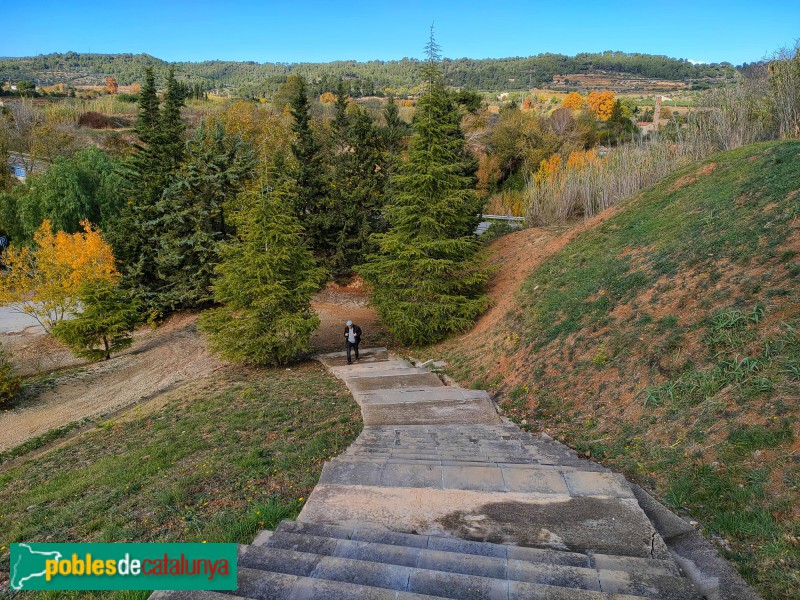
x: 351, y: 346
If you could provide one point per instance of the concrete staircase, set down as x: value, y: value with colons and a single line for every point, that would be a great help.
x: 440, y: 497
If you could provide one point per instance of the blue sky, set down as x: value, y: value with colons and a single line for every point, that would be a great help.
x: 315, y: 31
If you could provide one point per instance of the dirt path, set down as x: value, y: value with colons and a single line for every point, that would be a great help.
x: 335, y: 305
x: 515, y: 256
x: 159, y: 361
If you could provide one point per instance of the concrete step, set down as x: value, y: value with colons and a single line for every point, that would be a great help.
x: 424, y: 413
x: 367, y: 355
x: 576, y: 521
x: 367, y: 384
x: 445, y: 574
x: 384, y: 537
x: 421, y: 394
x: 485, y: 477
x: 267, y: 585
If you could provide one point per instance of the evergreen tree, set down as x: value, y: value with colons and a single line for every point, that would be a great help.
x: 147, y: 174
x: 265, y: 282
x: 109, y: 315
x: 309, y: 201
x: 357, y: 192
x: 192, y: 217
x: 395, y: 129
x: 427, y: 278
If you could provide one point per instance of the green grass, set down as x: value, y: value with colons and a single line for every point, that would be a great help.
x: 217, y: 466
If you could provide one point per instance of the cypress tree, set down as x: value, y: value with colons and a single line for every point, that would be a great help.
x: 264, y: 284
x: 427, y: 278
x: 192, y: 216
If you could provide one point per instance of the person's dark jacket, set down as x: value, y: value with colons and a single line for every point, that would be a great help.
x: 356, y: 330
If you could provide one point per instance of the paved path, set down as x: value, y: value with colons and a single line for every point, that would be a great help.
x: 440, y: 497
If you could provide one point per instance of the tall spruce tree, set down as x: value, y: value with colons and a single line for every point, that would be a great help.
x: 427, y: 278
x: 192, y: 216
x: 357, y: 193
x: 265, y: 282
x: 147, y: 174
x: 310, y: 198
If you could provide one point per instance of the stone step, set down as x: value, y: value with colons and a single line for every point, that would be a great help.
x: 421, y: 394
x: 531, y: 565
x: 486, y: 477
x: 577, y: 521
x: 354, y: 373
x: 370, y: 383
x: 268, y: 585
x: 367, y: 355
x: 385, y: 537
x: 424, y: 413
x: 463, y: 461
x: 446, y: 574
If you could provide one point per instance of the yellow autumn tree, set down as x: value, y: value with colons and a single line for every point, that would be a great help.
x: 573, y: 101
x: 601, y: 104
x: 327, y: 98
x: 581, y: 158
x: 44, y: 280
x: 548, y: 169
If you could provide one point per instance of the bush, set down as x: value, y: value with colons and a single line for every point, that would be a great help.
x: 9, y: 384
x: 95, y: 120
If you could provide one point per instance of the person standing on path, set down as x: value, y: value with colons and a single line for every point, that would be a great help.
x: 352, y: 337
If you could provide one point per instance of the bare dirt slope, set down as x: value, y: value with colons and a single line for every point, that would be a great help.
x: 160, y: 360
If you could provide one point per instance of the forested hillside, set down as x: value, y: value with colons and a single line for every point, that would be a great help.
x: 365, y: 78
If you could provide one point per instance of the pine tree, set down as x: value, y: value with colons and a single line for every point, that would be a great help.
x: 309, y: 201
x: 265, y: 282
x: 427, y: 278
x: 107, y: 319
x: 192, y: 216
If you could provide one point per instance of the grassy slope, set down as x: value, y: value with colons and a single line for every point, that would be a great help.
x: 218, y: 466
x: 664, y: 342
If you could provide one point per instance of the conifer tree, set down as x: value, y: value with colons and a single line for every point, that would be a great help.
x: 105, y: 324
x: 309, y: 201
x: 427, y: 278
x: 357, y: 192
x: 192, y: 216
x: 264, y: 284
x: 148, y: 173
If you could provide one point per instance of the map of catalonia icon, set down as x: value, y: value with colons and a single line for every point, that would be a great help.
x: 29, y: 564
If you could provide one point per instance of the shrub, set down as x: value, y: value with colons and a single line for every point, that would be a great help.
x: 95, y: 120
x: 9, y: 384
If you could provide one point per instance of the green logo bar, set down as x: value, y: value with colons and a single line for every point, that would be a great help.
x: 38, y: 566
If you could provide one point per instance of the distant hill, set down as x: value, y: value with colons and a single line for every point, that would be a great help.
x: 365, y: 78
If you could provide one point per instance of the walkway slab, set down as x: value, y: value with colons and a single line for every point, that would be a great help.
x: 423, y: 413
x: 607, y: 525
x: 366, y: 384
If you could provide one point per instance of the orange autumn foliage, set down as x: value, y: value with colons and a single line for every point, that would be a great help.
x: 581, y: 158
x: 548, y: 169
x: 573, y: 101
x: 601, y: 104
x: 45, y: 279
x: 111, y: 85
x: 327, y: 98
